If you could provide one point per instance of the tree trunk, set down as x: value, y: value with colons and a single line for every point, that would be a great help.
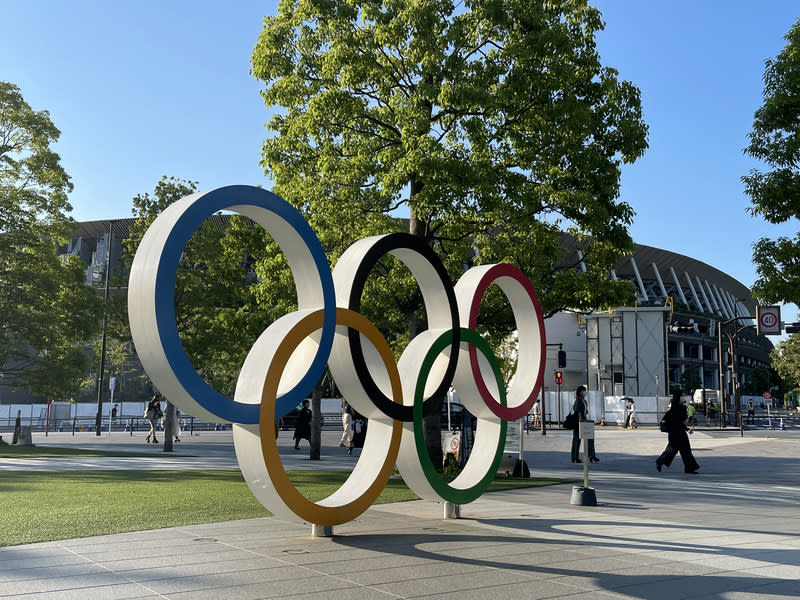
x: 169, y: 426
x: 432, y: 426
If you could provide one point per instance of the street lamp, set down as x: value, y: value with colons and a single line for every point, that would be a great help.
x: 99, y: 417
x: 734, y: 378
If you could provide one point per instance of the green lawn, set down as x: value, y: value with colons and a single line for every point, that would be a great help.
x: 41, y: 506
x: 8, y: 451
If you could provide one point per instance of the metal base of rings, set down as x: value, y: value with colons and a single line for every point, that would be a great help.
x: 583, y: 496
x: 321, y: 531
x: 451, y: 511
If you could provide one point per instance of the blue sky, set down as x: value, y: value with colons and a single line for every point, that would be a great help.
x: 150, y: 88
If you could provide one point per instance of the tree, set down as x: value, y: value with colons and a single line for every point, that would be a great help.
x: 215, y: 291
x: 690, y: 380
x: 760, y: 381
x: 47, y: 312
x: 786, y: 360
x: 492, y: 123
x: 775, y: 194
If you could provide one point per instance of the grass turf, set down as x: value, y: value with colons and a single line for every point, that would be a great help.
x: 41, y: 506
x: 8, y: 451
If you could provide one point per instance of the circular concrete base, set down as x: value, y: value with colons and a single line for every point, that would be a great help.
x: 583, y: 496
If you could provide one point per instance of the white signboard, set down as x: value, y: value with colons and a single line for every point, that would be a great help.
x: 769, y: 320
x: 586, y: 430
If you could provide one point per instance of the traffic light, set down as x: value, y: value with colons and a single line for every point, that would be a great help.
x: 559, y: 378
x: 793, y: 328
x: 683, y: 328
x: 562, y: 359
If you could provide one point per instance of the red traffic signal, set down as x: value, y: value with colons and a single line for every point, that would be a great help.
x: 559, y: 377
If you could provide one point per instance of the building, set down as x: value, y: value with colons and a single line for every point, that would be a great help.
x: 643, y: 350
x: 640, y: 350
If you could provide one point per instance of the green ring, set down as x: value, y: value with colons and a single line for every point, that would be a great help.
x: 445, y: 490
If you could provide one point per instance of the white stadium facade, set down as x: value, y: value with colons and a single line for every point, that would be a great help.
x: 643, y: 350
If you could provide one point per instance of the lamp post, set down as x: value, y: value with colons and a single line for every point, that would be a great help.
x: 734, y: 379
x: 98, y: 421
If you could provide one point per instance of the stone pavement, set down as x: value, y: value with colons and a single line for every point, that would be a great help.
x: 730, y: 533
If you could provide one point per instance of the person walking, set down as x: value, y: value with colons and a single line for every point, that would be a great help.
x: 581, y: 409
x: 152, y: 414
x: 537, y: 414
x: 347, y: 425
x: 302, y: 429
x: 676, y: 421
x: 176, y: 425
x: 628, y: 406
x: 632, y: 422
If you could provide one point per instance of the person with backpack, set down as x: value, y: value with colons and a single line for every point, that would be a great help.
x: 581, y: 409
x: 152, y: 414
x: 675, y: 423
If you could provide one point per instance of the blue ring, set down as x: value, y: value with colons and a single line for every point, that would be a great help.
x: 203, y: 207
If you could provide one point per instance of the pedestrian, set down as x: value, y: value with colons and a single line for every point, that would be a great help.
x: 676, y: 421
x: 628, y: 405
x: 176, y: 425
x: 152, y: 414
x: 581, y: 409
x: 359, y: 431
x: 711, y: 413
x: 302, y: 428
x: 114, y: 414
x: 632, y: 422
x: 17, y: 428
x: 537, y: 414
x: 751, y: 412
x: 690, y: 414
x: 347, y: 425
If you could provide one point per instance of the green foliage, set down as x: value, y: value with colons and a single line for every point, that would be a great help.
x: 690, y: 380
x: 786, y: 360
x: 215, y: 292
x: 47, y: 312
x: 760, y: 381
x: 775, y: 194
x: 492, y: 123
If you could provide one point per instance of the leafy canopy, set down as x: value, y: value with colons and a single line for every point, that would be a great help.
x: 215, y: 292
x: 47, y: 312
x: 492, y: 123
x: 786, y: 360
x: 775, y: 193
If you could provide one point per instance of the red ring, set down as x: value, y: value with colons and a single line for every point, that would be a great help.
x: 492, y: 275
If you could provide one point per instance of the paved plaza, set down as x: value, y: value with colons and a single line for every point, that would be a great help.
x: 731, y: 532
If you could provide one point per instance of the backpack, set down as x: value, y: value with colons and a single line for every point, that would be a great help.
x: 664, y: 424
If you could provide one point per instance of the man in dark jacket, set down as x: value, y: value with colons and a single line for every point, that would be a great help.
x: 677, y: 436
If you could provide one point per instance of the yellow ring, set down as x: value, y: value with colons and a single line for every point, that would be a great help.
x: 304, y: 508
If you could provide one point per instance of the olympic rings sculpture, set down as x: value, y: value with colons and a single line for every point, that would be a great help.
x: 290, y: 356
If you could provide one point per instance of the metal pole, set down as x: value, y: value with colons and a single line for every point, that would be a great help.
x: 543, y: 411
x: 585, y: 462
x: 721, y: 371
x: 99, y: 418
x: 558, y: 406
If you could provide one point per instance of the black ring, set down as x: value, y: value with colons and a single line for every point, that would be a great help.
x: 388, y: 243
